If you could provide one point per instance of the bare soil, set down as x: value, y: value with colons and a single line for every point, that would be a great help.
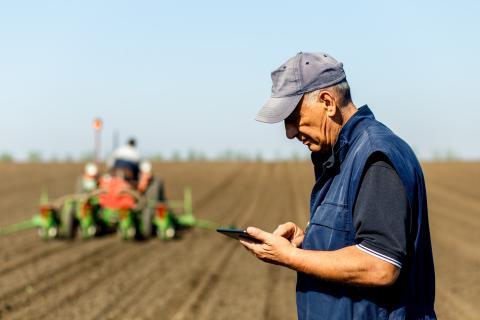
x: 203, y: 275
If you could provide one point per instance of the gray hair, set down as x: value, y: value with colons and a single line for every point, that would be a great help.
x: 341, y: 91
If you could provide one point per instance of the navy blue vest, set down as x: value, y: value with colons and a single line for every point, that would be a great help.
x: 331, y: 228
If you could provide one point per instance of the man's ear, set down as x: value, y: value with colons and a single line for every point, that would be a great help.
x: 329, y: 103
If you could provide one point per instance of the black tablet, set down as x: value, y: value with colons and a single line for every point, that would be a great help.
x: 237, y: 234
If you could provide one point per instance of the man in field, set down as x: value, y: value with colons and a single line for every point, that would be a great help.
x: 127, y: 158
x: 366, y: 252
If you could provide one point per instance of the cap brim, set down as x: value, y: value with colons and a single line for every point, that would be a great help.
x: 277, y: 109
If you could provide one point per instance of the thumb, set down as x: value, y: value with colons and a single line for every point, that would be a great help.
x: 258, y: 233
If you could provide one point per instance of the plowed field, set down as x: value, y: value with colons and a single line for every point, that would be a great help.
x: 203, y: 275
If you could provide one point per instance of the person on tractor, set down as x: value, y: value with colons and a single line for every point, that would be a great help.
x: 126, y: 163
x: 126, y: 160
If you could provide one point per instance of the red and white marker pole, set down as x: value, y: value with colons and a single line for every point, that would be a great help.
x: 97, y: 127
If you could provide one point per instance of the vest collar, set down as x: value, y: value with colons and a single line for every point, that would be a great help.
x: 349, y: 132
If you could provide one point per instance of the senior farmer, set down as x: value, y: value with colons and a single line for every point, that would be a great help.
x: 366, y: 252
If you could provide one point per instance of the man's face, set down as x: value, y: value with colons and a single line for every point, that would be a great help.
x: 309, y: 123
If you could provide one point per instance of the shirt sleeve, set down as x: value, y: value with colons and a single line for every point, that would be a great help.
x: 381, y: 213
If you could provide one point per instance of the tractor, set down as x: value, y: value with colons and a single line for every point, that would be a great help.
x: 112, y: 203
x: 134, y: 209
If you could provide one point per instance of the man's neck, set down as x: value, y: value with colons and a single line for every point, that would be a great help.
x: 347, y: 112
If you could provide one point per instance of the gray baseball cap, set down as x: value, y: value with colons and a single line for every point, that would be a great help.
x: 303, y: 73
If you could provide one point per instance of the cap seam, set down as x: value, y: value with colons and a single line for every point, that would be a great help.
x: 299, y: 76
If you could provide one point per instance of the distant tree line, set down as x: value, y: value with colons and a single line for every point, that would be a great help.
x: 228, y: 155
x: 445, y: 155
x: 192, y: 155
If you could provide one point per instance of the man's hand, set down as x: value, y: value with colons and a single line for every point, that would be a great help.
x: 291, y: 232
x: 347, y: 265
x: 272, y: 249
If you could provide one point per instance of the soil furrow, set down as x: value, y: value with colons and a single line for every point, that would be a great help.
x: 99, y: 275
x: 65, y: 265
x: 191, y: 301
x: 234, y: 210
x: 159, y: 278
x: 262, y: 201
x: 218, y: 188
x: 23, y: 259
x: 25, y: 296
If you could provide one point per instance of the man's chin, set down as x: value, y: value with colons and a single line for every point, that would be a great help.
x: 314, y: 148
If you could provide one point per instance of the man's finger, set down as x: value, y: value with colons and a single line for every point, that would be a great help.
x: 284, y: 230
x: 250, y: 245
x: 258, y: 233
x: 281, y: 230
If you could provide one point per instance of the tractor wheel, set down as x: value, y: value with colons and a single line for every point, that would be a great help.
x: 147, y: 222
x: 87, y: 232
x: 161, y: 191
x: 155, y: 191
x: 91, y: 231
x: 42, y: 232
x: 131, y: 232
x: 170, y: 233
x: 166, y: 234
x: 128, y: 233
x: 52, y: 232
x: 69, y: 223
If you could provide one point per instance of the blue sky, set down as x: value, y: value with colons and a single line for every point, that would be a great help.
x: 192, y: 74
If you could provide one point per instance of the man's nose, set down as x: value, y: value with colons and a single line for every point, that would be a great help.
x: 291, y: 130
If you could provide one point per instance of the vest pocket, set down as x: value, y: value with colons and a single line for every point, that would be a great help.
x: 329, y: 228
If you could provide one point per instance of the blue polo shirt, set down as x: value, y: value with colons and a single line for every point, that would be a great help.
x: 333, y: 226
